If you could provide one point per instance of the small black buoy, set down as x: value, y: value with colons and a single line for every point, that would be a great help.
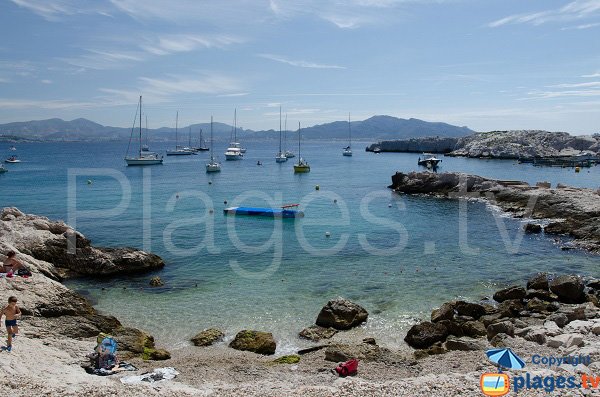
x: 225, y: 202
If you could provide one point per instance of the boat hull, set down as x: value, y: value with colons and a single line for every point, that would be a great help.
x: 347, y: 154
x: 299, y: 169
x: 12, y: 161
x: 213, y: 167
x: 3, y: 170
x: 280, y: 159
x: 133, y: 161
x: 233, y: 157
x: 178, y: 153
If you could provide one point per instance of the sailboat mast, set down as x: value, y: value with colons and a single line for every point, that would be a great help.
x: 299, y: 157
x: 211, y: 139
x: 147, y: 132
x: 349, y: 131
x: 190, y: 137
x: 285, y: 133
x: 279, y: 129
x: 235, y: 125
x: 176, y: 125
x: 140, y: 153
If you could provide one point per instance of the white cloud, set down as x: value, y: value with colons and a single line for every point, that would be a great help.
x: 46, y: 81
x: 188, y: 42
x: 104, y: 59
x: 577, y: 85
x: 52, y: 10
x: 576, y: 10
x: 9, y: 103
x: 561, y: 94
x: 581, y: 27
x: 234, y: 94
x: 301, y: 64
x: 3, y: 80
x: 593, y: 75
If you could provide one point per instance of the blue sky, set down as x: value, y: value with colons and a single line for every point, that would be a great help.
x: 486, y: 64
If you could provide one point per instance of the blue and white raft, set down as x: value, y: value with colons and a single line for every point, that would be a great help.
x: 283, y: 212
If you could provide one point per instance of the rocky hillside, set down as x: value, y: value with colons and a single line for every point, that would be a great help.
x: 499, y: 144
x: 524, y: 144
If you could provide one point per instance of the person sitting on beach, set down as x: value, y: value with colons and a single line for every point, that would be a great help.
x: 11, y: 264
x: 12, y: 313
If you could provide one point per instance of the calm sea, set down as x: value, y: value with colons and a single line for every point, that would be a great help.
x: 397, y: 256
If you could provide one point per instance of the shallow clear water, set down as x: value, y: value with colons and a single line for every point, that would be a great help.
x: 399, y: 256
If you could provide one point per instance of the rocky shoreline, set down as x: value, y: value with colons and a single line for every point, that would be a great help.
x: 518, y: 144
x: 574, y: 212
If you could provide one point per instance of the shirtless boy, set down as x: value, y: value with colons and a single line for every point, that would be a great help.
x: 12, y: 312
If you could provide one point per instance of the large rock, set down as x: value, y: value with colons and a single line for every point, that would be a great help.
x: 463, y: 344
x: 536, y: 305
x: 254, y: 341
x: 341, y: 314
x: 474, y: 310
x: 363, y: 351
x: 421, y: 336
x: 502, y: 327
x: 539, y: 281
x: 208, y: 337
x: 566, y: 340
x: 568, y: 288
x: 544, y: 295
x: 533, y: 228
x: 445, y: 312
x: 510, y: 293
x: 316, y: 333
x: 474, y: 328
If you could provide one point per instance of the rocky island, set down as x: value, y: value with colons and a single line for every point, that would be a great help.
x: 518, y: 144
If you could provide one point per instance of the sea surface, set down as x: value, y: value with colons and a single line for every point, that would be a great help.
x: 398, y: 256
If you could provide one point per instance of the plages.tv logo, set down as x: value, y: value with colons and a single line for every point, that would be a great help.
x: 497, y: 383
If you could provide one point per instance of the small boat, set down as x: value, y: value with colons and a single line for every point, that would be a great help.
x: 377, y: 150
x: 179, y: 150
x: 213, y: 165
x: 302, y: 165
x: 234, y: 151
x: 348, y: 149
x: 282, y: 212
x: 143, y: 157
x: 429, y: 160
x: 289, y: 154
x: 13, y: 148
x: 2, y: 169
x: 280, y: 157
x: 12, y: 160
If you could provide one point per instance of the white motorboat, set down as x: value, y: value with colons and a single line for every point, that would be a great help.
x: 429, y: 160
x: 234, y: 151
x: 12, y: 160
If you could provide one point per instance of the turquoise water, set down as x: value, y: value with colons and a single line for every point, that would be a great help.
x: 399, y: 256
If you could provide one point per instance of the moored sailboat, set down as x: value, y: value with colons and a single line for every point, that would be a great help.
x: 348, y: 149
x: 302, y: 165
x: 142, y: 158
x: 213, y: 165
x: 280, y: 157
x: 178, y: 151
x: 234, y: 151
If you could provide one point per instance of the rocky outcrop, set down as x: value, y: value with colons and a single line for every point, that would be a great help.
x: 417, y: 145
x: 48, y: 305
x: 576, y: 210
x: 569, y: 289
x: 254, y: 341
x: 524, y: 144
x: 317, y: 333
x: 425, y: 334
x: 341, y: 314
x: 48, y: 241
x: 208, y: 337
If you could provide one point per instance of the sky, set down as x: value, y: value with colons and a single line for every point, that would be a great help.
x: 484, y: 64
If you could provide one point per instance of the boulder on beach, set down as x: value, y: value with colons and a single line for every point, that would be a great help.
x: 502, y: 327
x: 254, y: 341
x: 207, y: 337
x: 568, y: 288
x: 341, y: 314
x: 514, y: 292
x: 539, y: 281
x: 474, y: 310
x: 316, y: 333
x: 425, y: 334
x: 445, y: 312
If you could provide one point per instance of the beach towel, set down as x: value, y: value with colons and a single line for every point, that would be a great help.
x: 123, y: 366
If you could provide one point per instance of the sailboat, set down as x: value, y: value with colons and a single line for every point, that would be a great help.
x: 234, y: 151
x: 201, y: 144
x: 280, y: 157
x: 179, y: 151
x: 145, y: 158
x: 301, y: 165
x: 213, y: 165
x: 189, y: 147
x: 288, y: 153
x: 348, y: 149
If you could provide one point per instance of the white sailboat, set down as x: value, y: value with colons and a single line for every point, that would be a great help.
x: 179, y: 151
x: 280, y: 157
x: 302, y: 165
x: 142, y: 158
x: 145, y: 146
x: 201, y: 144
x: 213, y: 165
x: 288, y: 153
x: 348, y: 149
x: 234, y: 151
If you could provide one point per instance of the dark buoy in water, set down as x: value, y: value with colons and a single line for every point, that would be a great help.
x: 335, y: 201
x: 327, y: 234
x: 177, y: 196
x: 210, y: 211
x: 225, y: 202
x: 210, y: 182
x: 317, y: 187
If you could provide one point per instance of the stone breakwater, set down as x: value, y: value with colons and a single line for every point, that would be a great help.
x: 51, y: 309
x: 571, y: 211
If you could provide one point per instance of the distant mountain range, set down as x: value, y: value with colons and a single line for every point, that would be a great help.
x: 376, y: 127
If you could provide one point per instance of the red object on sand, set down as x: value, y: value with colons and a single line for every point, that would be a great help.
x: 349, y: 368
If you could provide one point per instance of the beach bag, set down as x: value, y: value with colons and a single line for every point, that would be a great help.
x: 349, y: 368
x: 23, y: 272
x: 106, y: 352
